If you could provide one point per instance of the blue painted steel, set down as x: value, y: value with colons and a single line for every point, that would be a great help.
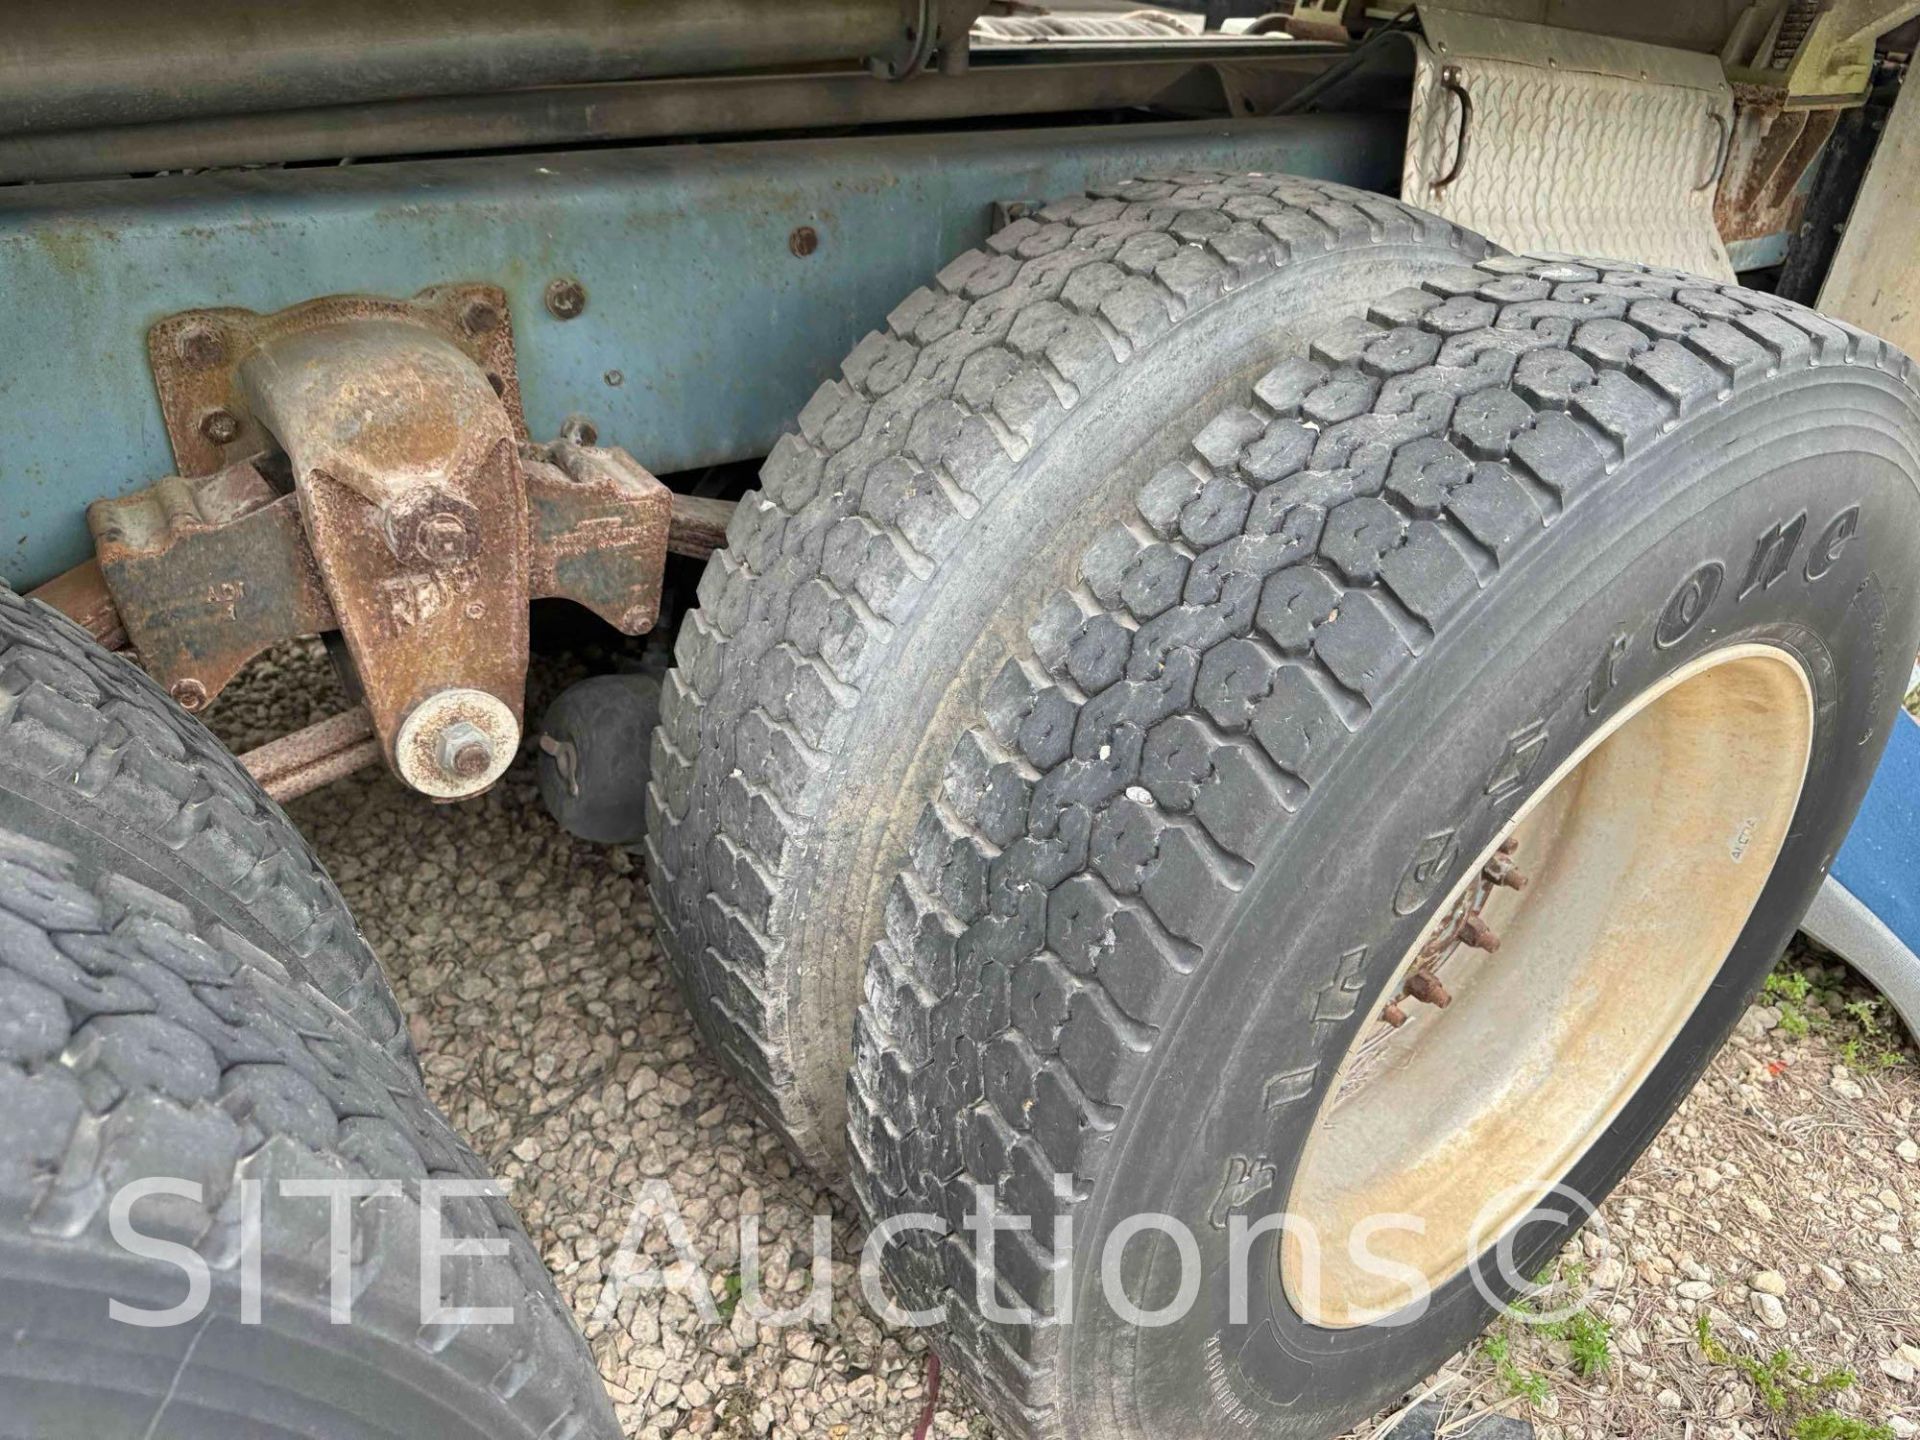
x: 1880, y: 861
x: 1758, y: 253
x: 703, y: 333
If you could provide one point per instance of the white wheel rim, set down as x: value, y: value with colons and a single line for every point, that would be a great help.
x: 1645, y: 854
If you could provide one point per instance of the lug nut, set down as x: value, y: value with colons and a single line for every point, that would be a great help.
x: 1476, y: 932
x: 464, y: 750
x: 1425, y: 987
x: 1502, y: 871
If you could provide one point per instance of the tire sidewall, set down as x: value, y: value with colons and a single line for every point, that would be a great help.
x: 1314, y: 937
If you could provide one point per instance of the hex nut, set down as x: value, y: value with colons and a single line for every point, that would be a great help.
x: 456, y: 743
x: 464, y: 750
x: 442, y: 538
x: 566, y: 298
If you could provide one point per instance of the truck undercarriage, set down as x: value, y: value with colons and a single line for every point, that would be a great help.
x: 1266, y: 666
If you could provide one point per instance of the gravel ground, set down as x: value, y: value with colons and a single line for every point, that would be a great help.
x: 1782, y: 1202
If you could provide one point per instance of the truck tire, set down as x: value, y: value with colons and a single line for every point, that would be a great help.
x: 932, y: 494
x: 1608, y: 562
x: 151, y: 1065
x: 96, y: 758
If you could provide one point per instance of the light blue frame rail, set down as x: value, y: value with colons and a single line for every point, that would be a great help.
x: 703, y: 333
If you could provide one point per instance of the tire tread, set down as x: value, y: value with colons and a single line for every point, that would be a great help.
x: 860, y: 506
x: 1099, y: 819
x: 89, y: 734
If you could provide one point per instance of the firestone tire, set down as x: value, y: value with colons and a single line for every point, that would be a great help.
x: 931, y: 499
x: 1197, y: 823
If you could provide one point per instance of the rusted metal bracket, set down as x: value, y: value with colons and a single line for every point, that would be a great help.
x: 197, y: 357
x: 199, y: 576
x: 601, y: 524
x: 188, y: 635
x: 360, y: 464
x: 206, y: 574
x: 408, y: 475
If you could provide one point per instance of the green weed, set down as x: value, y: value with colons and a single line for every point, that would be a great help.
x: 730, y: 1298
x: 1589, y: 1343
x: 1793, y: 1392
x: 1832, y: 1425
x: 1864, y: 1031
x: 1588, y: 1338
x: 1529, y: 1385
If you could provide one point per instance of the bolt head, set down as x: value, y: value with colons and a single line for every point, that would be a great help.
x: 200, y: 346
x: 804, y: 240
x: 442, y: 539
x: 566, y: 298
x: 464, y: 750
x: 481, y: 317
x: 188, y: 694
x: 220, y: 427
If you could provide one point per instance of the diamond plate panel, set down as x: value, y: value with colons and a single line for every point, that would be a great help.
x: 1574, y: 143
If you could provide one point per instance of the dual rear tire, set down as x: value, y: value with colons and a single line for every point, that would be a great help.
x: 1113, y: 707
x: 1141, y: 649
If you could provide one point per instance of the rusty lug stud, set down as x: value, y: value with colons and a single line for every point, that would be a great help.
x: 1502, y: 871
x: 220, y: 427
x: 1394, y: 1015
x: 1476, y: 932
x: 188, y: 694
x: 1425, y: 987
